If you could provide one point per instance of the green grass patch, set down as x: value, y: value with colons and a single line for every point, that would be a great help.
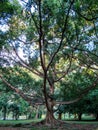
x: 68, y: 125
x: 21, y: 124
x: 82, y: 122
x: 12, y: 122
x: 16, y: 122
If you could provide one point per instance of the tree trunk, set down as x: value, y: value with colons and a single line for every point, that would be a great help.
x: 97, y: 117
x: 75, y: 116
x: 50, y: 119
x: 79, y: 116
x: 30, y: 116
x: 16, y: 116
x: 13, y: 115
x: 60, y: 116
x: 37, y: 113
x: 4, y: 112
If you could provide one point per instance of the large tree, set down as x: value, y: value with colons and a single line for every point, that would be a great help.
x: 55, y: 38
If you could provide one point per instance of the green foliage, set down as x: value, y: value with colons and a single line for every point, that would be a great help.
x: 22, y: 79
x: 75, y: 84
x: 7, y: 8
x: 88, y: 105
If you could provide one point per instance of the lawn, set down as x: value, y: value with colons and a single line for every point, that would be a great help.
x: 11, y: 122
x: 68, y: 125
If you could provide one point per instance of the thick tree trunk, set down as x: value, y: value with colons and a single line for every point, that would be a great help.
x: 50, y: 120
x: 50, y: 114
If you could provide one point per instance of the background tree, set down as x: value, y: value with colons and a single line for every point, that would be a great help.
x: 4, y: 99
x: 75, y: 83
x: 15, y: 110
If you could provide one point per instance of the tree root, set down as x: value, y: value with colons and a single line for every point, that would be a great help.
x: 55, y: 124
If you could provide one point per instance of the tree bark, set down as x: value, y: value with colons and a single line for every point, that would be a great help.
x: 37, y: 113
x: 49, y: 118
x: 79, y: 116
x: 60, y: 116
x: 97, y: 117
x: 4, y: 112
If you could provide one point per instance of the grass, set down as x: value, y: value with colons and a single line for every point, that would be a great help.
x: 83, y: 122
x: 13, y: 122
x: 20, y: 123
x: 16, y: 122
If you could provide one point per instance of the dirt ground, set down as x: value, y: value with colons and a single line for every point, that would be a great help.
x: 68, y: 126
x: 9, y: 128
x: 83, y: 127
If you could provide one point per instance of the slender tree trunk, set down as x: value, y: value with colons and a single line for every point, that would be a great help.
x: 97, y: 117
x: 13, y: 115
x: 60, y: 116
x: 30, y: 116
x: 75, y: 116
x: 4, y: 113
x: 64, y: 116
x: 16, y: 116
x: 79, y: 116
x: 37, y: 113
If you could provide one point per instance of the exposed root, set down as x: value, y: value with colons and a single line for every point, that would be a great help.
x: 54, y: 124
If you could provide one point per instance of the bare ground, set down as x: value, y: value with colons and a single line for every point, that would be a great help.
x: 62, y: 126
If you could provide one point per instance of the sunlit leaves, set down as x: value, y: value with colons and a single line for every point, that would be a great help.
x: 23, y: 80
x: 17, y: 26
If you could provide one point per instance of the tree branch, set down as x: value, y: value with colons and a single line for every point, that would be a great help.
x: 65, y: 73
x: 62, y: 36
x: 41, y: 37
x: 24, y: 96
x: 93, y: 86
x: 86, y: 18
x: 24, y: 64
